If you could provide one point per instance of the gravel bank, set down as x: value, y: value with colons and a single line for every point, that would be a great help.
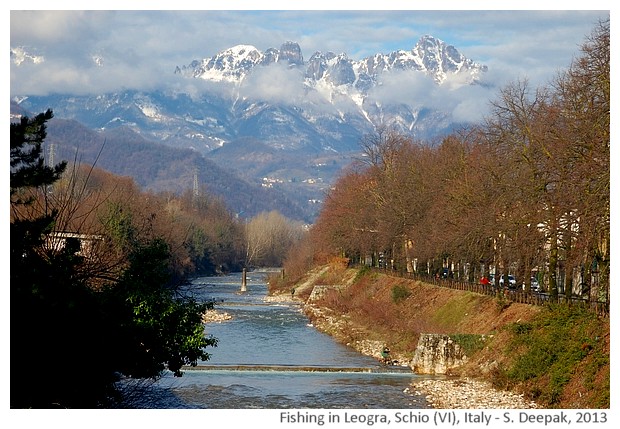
x: 465, y: 393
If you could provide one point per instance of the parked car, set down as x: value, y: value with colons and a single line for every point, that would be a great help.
x: 512, y: 282
x: 534, y: 286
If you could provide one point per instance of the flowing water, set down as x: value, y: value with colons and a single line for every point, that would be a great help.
x: 269, y: 356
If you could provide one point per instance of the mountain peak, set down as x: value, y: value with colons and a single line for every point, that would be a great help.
x: 440, y: 59
x: 20, y: 55
x: 430, y: 55
x: 291, y: 52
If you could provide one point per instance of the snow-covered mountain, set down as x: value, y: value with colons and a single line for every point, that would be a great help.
x: 430, y: 56
x: 314, y: 111
x: 323, y: 103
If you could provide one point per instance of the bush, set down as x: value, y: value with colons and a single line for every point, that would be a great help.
x: 554, y: 346
x: 470, y: 343
x: 399, y: 293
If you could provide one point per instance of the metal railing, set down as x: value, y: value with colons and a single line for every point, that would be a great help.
x: 601, y: 308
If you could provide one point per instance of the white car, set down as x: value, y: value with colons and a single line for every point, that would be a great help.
x: 512, y: 282
x: 534, y: 286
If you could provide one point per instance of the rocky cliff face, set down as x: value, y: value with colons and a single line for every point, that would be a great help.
x: 437, y: 354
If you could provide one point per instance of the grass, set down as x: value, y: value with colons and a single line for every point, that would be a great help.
x: 470, y: 343
x: 455, y: 310
x: 400, y: 293
x: 560, y: 343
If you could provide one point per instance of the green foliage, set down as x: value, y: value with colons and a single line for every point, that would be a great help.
x: 363, y: 271
x: 470, y: 343
x: 29, y: 172
x: 156, y: 329
x: 400, y: 293
x: 118, y: 221
x: 28, y: 169
x: 554, y: 345
x: 500, y: 301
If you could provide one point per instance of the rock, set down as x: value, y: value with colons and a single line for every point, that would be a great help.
x: 436, y: 354
x: 464, y: 393
x: 211, y: 316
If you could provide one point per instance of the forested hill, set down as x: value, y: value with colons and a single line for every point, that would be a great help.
x: 162, y: 168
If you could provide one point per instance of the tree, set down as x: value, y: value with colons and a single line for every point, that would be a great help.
x: 583, y: 97
x: 29, y: 174
x: 135, y: 325
x: 28, y: 169
x: 151, y: 329
x: 347, y: 224
x: 269, y: 236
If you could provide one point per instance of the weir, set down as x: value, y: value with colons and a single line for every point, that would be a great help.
x: 388, y: 369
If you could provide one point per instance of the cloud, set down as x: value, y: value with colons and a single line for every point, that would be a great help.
x: 403, y: 87
x: 467, y: 103
x: 140, y: 49
x: 275, y: 83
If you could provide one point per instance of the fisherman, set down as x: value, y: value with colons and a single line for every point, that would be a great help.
x: 385, y: 354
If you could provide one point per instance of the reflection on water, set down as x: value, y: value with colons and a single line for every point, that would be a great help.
x: 261, y: 333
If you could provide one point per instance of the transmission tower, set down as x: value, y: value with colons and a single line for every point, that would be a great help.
x: 196, y: 183
x: 52, y: 153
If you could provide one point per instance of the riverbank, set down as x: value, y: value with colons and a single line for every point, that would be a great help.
x: 368, y: 311
x: 466, y: 393
x: 442, y: 393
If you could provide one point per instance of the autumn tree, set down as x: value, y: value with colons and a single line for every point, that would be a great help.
x: 347, y: 225
x: 401, y: 170
x: 583, y: 98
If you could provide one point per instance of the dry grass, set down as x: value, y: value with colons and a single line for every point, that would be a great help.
x: 375, y: 312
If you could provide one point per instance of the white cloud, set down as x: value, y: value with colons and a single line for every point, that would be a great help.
x: 403, y: 87
x: 275, y: 83
x: 140, y: 49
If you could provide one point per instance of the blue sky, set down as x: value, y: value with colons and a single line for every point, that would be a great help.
x: 141, y: 48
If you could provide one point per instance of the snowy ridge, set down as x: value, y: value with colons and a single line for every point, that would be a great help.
x: 431, y: 56
x: 324, y: 102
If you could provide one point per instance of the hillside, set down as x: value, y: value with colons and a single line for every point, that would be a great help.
x: 158, y: 167
x: 556, y: 356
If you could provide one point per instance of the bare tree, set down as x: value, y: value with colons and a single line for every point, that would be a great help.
x: 269, y: 236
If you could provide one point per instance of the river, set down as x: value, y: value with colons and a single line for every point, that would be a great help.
x: 308, y: 368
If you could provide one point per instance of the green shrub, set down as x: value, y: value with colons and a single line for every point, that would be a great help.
x: 364, y: 270
x: 470, y: 343
x: 399, y: 293
x: 553, y: 347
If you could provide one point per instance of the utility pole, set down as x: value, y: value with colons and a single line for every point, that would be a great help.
x: 50, y: 163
